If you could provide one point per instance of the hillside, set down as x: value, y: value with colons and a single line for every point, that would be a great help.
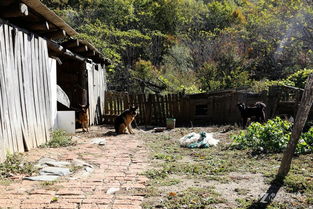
x: 194, y: 45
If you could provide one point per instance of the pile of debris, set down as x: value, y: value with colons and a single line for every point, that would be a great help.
x: 198, y: 140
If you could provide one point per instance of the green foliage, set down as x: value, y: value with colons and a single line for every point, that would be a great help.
x: 271, y: 137
x: 235, y: 42
x: 212, y: 78
x: 299, y: 78
x: 59, y: 139
x: 143, y: 69
x: 296, y: 79
x: 306, y: 142
x: 156, y: 173
x: 220, y: 15
x: 15, y: 164
x: 178, y: 58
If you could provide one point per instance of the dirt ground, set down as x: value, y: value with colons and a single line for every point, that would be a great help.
x: 151, y: 170
x: 219, y: 177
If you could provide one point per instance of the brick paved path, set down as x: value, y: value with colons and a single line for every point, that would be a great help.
x: 117, y: 165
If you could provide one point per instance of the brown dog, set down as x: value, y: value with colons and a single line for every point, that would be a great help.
x: 124, y: 121
x: 83, y: 117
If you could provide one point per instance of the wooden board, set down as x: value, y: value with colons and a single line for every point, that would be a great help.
x: 25, y: 101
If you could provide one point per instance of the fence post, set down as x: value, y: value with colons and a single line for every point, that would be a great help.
x: 302, y: 115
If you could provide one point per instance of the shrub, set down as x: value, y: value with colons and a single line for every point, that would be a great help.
x: 306, y: 142
x: 59, y: 139
x: 14, y: 164
x: 296, y: 79
x: 271, y: 137
x: 299, y: 78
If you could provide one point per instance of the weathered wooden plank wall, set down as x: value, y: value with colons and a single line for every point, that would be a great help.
x: 96, y: 89
x: 24, y: 91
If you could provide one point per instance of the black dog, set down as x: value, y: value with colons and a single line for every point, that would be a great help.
x: 258, y: 111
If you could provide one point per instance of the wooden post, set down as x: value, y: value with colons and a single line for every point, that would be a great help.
x: 15, y: 11
x: 73, y: 43
x: 42, y: 26
x: 148, y: 110
x: 59, y: 34
x: 302, y: 115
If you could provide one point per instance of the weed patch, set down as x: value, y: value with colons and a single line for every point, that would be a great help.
x: 167, y: 157
x: 47, y: 183
x: 298, y: 183
x: 192, y: 198
x: 166, y: 182
x: 5, y: 182
x: 59, y: 139
x: 15, y: 164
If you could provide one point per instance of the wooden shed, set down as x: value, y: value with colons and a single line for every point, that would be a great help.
x: 38, y: 56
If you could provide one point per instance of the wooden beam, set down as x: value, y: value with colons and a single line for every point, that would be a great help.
x: 6, y: 2
x: 80, y: 49
x: 18, y: 10
x: 71, y: 55
x: 90, y: 54
x: 74, y: 43
x: 55, y: 47
x: 55, y: 35
x: 43, y: 26
x: 302, y: 115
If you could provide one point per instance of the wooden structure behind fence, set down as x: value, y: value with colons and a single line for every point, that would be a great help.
x: 201, y: 109
x: 25, y: 106
x: 195, y: 109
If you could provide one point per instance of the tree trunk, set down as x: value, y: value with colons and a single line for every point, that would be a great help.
x: 302, y: 115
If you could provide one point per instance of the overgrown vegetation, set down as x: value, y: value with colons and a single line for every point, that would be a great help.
x: 296, y: 79
x: 195, y: 45
x: 59, y: 138
x: 187, y: 179
x: 271, y: 137
x: 15, y: 164
x: 193, y: 198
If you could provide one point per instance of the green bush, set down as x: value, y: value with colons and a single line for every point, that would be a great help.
x: 59, y: 139
x: 271, y: 137
x: 299, y: 78
x: 306, y: 142
x: 14, y: 164
x: 296, y: 79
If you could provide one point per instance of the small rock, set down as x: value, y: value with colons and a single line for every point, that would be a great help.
x: 99, y: 141
x: 41, y: 178
x: 88, y: 169
x: 77, y: 162
x: 58, y: 164
x: 55, y: 171
x: 112, y: 190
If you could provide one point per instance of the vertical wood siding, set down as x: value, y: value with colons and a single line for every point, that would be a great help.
x: 25, y: 117
x: 96, y: 89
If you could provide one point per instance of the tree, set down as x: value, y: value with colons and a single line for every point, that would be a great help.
x: 302, y: 115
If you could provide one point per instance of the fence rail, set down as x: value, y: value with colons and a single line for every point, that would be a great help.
x: 200, y: 109
x: 153, y: 109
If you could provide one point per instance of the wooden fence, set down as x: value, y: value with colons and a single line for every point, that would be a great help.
x: 196, y: 109
x: 153, y: 109
x: 201, y: 109
x: 25, y: 108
